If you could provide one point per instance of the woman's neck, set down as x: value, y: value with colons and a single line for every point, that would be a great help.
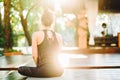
x: 47, y: 28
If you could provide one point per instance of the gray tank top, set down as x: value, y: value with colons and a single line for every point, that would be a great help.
x: 48, y: 50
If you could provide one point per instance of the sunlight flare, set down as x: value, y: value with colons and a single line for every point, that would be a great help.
x: 64, y: 58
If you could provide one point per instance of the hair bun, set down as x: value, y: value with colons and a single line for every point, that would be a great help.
x: 47, y: 17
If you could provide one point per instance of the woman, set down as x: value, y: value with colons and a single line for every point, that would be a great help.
x: 46, y: 45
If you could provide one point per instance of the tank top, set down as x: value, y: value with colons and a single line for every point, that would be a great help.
x: 48, y: 50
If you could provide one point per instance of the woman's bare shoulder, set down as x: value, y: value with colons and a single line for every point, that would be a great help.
x: 58, y: 36
x: 37, y: 33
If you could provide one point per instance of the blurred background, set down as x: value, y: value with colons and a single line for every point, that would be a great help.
x: 80, y: 22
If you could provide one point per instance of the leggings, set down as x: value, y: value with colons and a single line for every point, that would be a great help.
x: 43, y: 71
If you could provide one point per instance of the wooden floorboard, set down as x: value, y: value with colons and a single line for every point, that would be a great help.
x: 92, y: 50
x: 86, y: 74
x: 90, y: 67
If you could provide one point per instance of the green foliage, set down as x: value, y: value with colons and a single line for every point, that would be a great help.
x: 1, y: 53
x: 1, y: 0
x: 31, y: 11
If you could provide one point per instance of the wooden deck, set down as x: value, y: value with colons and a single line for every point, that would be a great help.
x: 92, y: 50
x: 86, y: 67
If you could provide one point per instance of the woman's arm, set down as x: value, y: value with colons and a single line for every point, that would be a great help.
x: 34, y: 47
x: 59, y: 38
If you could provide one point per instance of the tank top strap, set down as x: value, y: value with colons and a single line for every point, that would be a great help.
x: 54, y: 35
x: 45, y: 32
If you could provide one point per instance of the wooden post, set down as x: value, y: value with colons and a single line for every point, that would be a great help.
x: 119, y: 40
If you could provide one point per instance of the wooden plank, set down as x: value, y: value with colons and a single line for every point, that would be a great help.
x: 108, y: 62
x: 94, y: 67
x: 104, y: 50
x: 73, y: 67
x: 9, y: 68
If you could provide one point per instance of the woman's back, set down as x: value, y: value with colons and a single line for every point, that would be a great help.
x: 48, y: 49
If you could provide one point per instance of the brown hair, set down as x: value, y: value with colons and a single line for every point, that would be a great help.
x: 47, y: 18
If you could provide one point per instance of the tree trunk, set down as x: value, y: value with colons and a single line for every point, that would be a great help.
x: 7, y: 29
x: 25, y: 28
x: 0, y: 20
x: 1, y: 32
